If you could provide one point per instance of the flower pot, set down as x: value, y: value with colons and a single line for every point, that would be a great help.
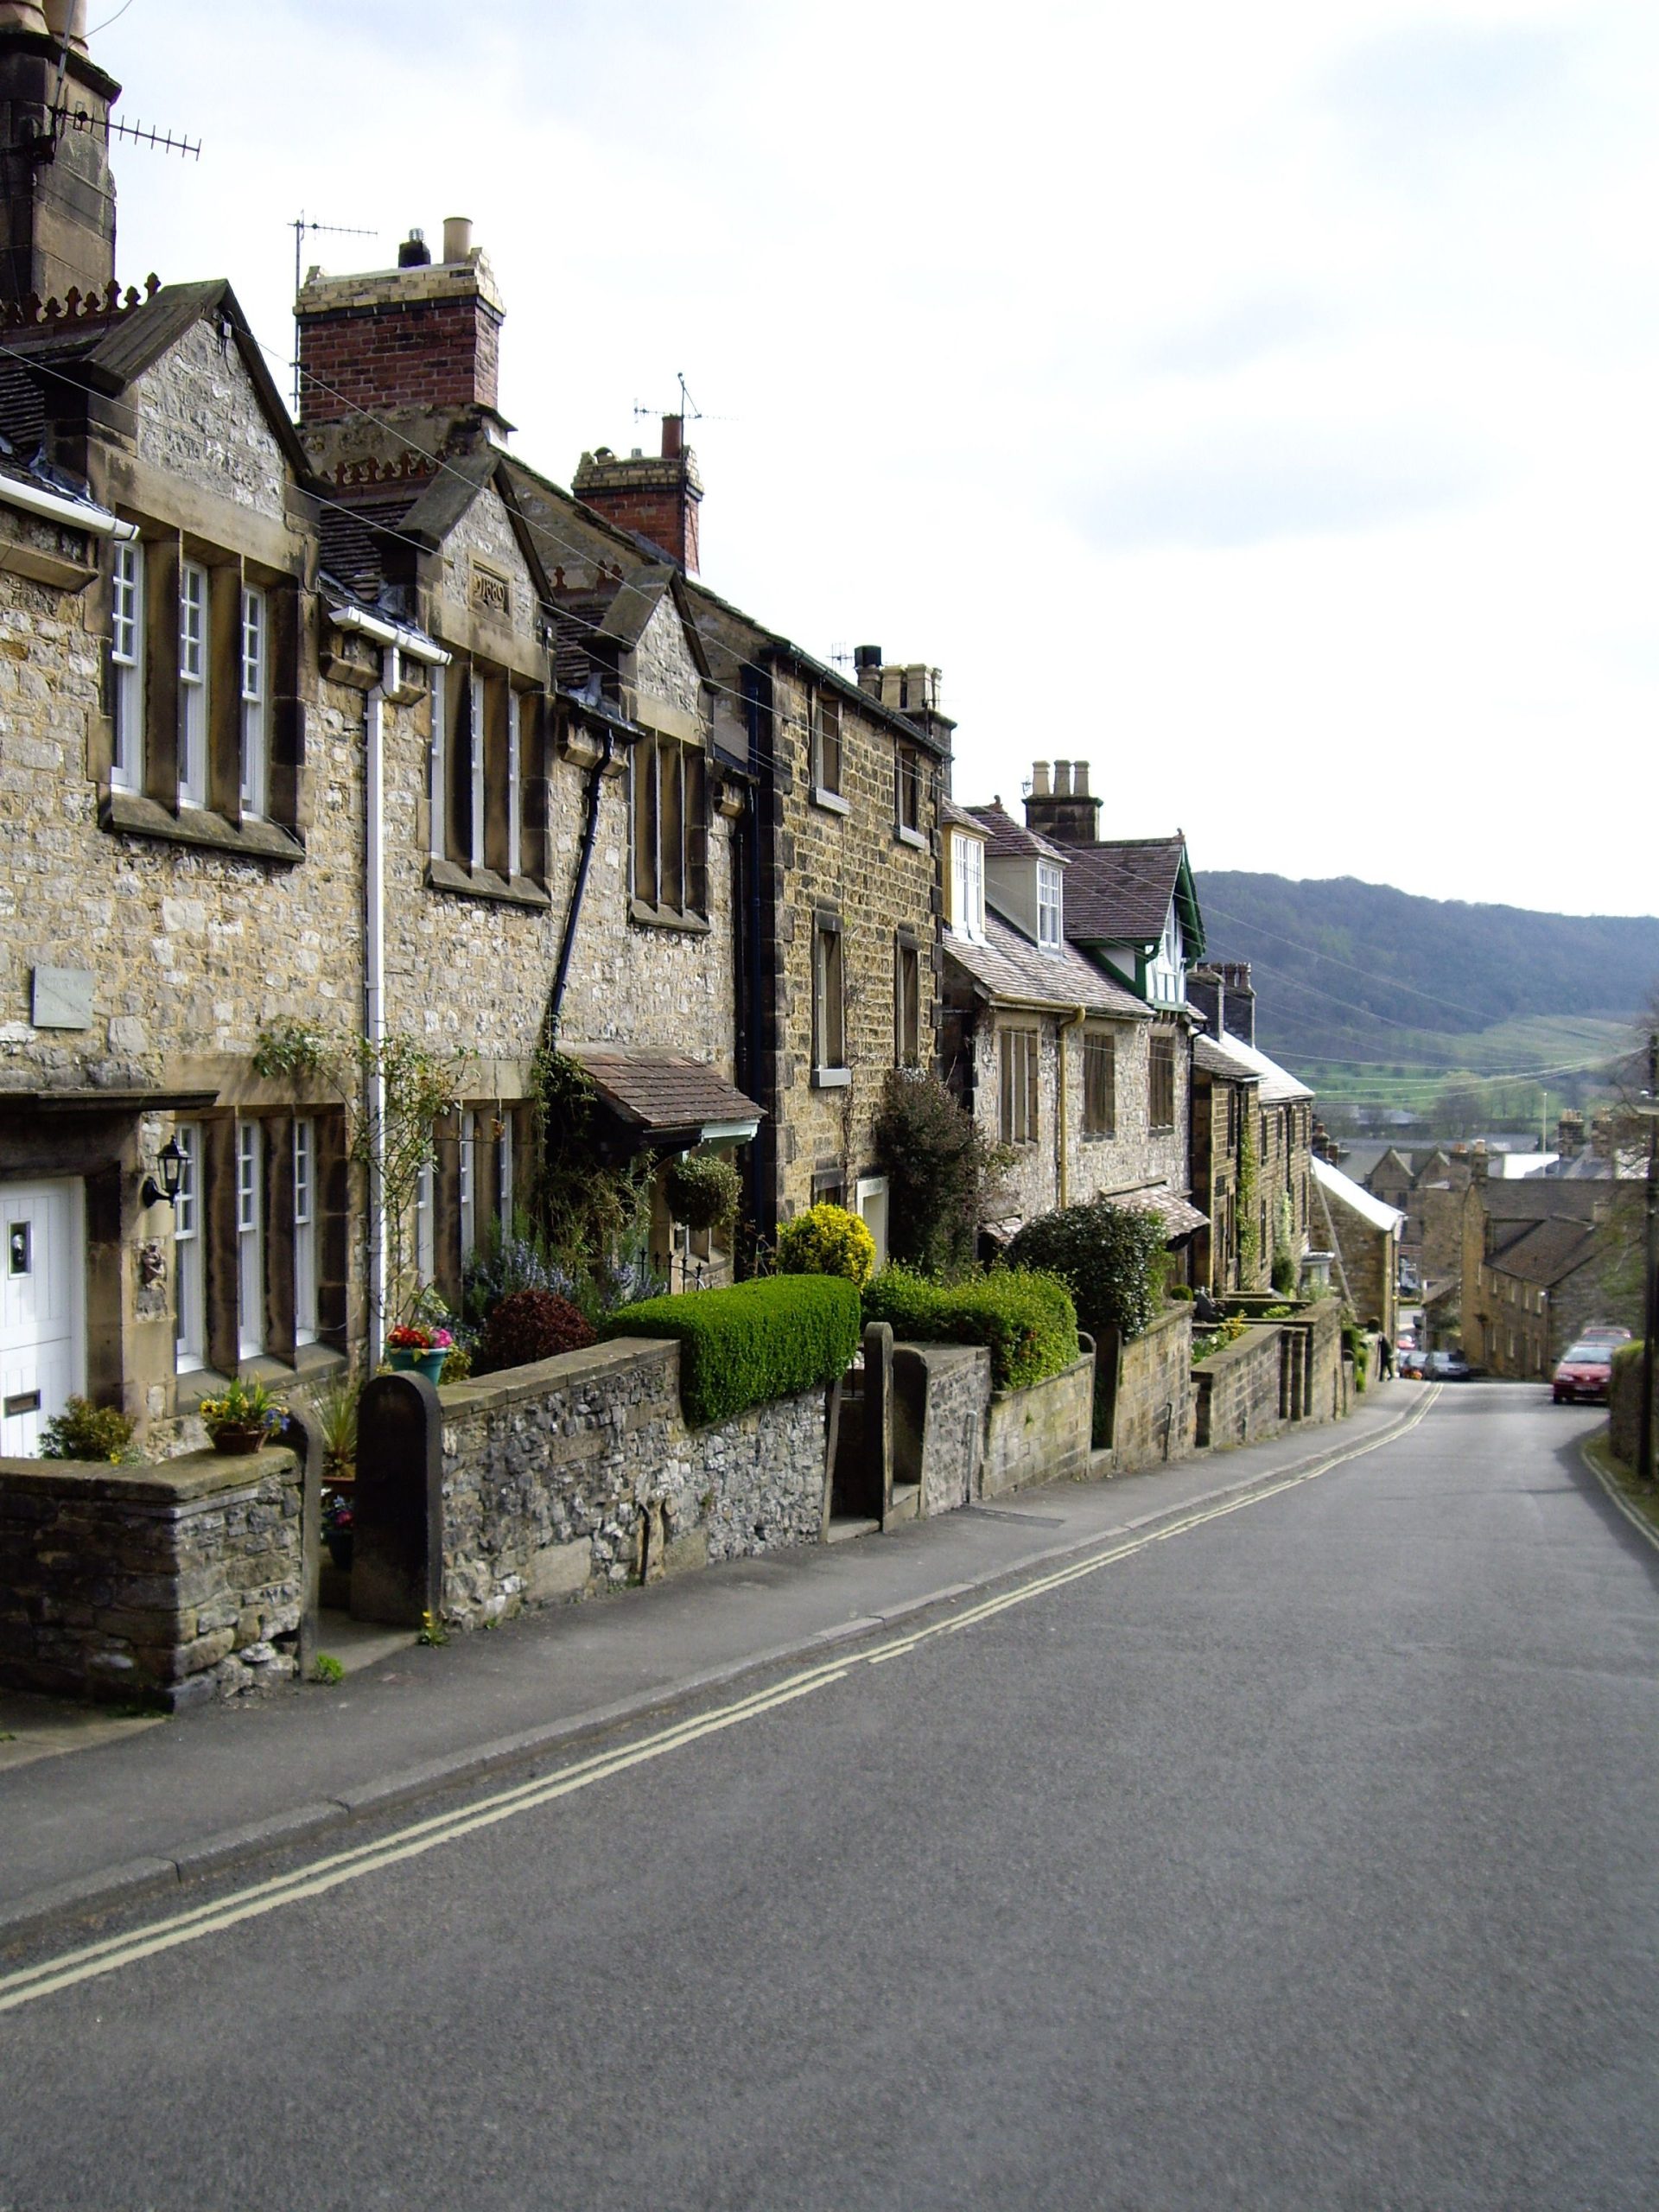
x: 340, y: 1549
x: 238, y: 1439
x: 430, y: 1364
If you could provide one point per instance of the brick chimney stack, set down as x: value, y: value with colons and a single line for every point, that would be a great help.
x: 1061, y: 809
x: 423, y: 338
x: 655, y: 498
x: 57, y: 196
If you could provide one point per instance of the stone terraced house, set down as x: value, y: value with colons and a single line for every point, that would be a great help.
x: 362, y: 724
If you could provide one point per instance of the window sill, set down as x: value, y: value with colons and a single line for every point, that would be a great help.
x: 130, y: 814
x: 831, y: 1078
x: 1098, y: 1136
x: 484, y: 883
x: 667, y: 917
x: 904, y: 836
x: 831, y: 802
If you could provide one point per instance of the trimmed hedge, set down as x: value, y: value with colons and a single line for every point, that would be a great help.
x: 751, y: 1344
x: 1026, y: 1319
x: 1111, y: 1257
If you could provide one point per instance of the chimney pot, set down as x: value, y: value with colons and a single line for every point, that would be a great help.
x: 1062, y: 780
x: 457, y: 237
x: 673, y: 437
x: 1039, y: 779
x: 1079, y: 780
x: 413, y: 252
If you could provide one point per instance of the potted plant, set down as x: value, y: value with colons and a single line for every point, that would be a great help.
x: 414, y: 1345
x: 243, y: 1416
x: 337, y: 1521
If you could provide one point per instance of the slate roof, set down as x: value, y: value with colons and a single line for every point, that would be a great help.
x: 1279, y: 1086
x: 1011, y: 971
x: 1215, y: 1056
x: 1547, y: 1251
x: 1179, y: 1215
x: 1539, y: 1197
x: 1355, y: 1196
x: 953, y: 817
x: 1119, y: 894
x: 663, y: 1094
x: 1009, y: 841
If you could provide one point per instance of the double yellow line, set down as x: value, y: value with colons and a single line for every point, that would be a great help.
x: 93, y: 1960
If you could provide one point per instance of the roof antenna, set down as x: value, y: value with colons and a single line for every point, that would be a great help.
x: 302, y: 227
x: 688, y: 410
x: 61, y: 118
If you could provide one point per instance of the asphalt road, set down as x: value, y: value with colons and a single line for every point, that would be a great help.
x: 1304, y: 1859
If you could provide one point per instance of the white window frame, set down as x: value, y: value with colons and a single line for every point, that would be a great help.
x: 967, y: 887
x: 127, y: 665
x: 1050, y: 935
x: 305, y: 1231
x: 189, y: 1298
x: 255, y: 700
x: 250, y: 1239
x: 426, y: 1226
x: 504, y: 1177
x: 437, y: 781
x: 195, y: 597
x: 476, y: 766
x: 467, y: 1185
x: 515, y: 788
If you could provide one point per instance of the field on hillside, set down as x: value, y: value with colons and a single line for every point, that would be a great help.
x: 1508, y: 1067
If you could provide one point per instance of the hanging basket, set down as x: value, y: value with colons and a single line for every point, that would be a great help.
x: 701, y: 1189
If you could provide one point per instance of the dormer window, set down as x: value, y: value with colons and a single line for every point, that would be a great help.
x: 967, y: 887
x: 1049, y: 933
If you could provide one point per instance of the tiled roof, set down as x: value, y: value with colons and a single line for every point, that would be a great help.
x: 1538, y: 1197
x: 1279, y: 1086
x: 1179, y: 1215
x: 1355, y: 1196
x: 1215, y: 1056
x: 1119, y: 894
x: 662, y: 1093
x: 953, y: 817
x: 1547, y: 1251
x: 1009, y: 841
x: 1011, y: 970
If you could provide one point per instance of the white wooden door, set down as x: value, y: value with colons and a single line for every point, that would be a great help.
x: 43, y: 1307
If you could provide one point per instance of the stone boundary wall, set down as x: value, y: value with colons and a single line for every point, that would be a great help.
x: 941, y: 1400
x: 1624, y: 1408
x: 1040, y: 1434
x: 1152, y: 1419
x: 1237, y: 1390
x: 579, y: 1473
x: 169, y: 1583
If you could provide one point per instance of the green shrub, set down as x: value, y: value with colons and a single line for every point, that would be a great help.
x: 1026, y: 1319
x: 941, y: 1170
x: 826, y: 1240
x: 84, y: 1431
x: 1110, y: 1258
x: 750, y: 1344
x: 1179, y: 1292
x: 701, y: 1189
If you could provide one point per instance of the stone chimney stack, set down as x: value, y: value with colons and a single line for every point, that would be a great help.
x: 866, y: 669
x: 656, y: 499
x: 57, y: 194
x: 1238, y: 1002
x: 1569, y: 1134
x: 422, y: 339
x: 1063, y: 810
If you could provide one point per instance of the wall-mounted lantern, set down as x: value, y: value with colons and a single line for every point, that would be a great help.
x: 170, y: 1161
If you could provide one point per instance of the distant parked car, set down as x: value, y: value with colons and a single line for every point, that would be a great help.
x: 1447, y: 1367
x: 1409, y: 1361
x: 1586, y: 1371
x: 1602, y: 1332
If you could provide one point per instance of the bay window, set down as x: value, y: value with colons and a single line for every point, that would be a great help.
x: 127, y: 669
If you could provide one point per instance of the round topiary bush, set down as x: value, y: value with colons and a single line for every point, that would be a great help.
x: 701, y: 1189
x: 528, y: 1326
x: 827, y: 1240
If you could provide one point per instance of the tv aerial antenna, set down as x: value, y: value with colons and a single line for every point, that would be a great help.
x: 304, y: 228
x: 688, y: 410
x: 61, y: 118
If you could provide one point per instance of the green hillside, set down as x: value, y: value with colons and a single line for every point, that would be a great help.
x: 1378, y: 996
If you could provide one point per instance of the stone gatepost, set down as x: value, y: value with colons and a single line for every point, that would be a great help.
x: 878, y: 1420
x: 397, y: 1502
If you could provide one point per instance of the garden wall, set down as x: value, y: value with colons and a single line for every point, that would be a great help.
x: 1237, y: 1390
x: 170, y: 1584
x: 1152, y: 1417
x: 579, y: 1473
x: 1624, y: 1404
x: 1040, y: 1434
x: 941, y: 1395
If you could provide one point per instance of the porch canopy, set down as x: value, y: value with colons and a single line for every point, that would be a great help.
x: 666, y: 1100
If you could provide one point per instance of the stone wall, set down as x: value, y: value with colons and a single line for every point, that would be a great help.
x: 1237, y: 1390
x: 1624, y: 1405
x: 579, y: 1473
x: 171, y: 1584
x: 1040, y: 1434
x: 941, y: 1395
x: 1151, y: 1416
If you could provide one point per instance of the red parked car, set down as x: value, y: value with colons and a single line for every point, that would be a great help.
x: 1586, y: 1371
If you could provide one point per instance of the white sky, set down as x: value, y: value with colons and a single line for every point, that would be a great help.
x: 1255, y: 402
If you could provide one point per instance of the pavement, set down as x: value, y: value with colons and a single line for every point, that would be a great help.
x: 115, y: 1810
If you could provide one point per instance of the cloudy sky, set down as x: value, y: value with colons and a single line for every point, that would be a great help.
x: 1255, y: 402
